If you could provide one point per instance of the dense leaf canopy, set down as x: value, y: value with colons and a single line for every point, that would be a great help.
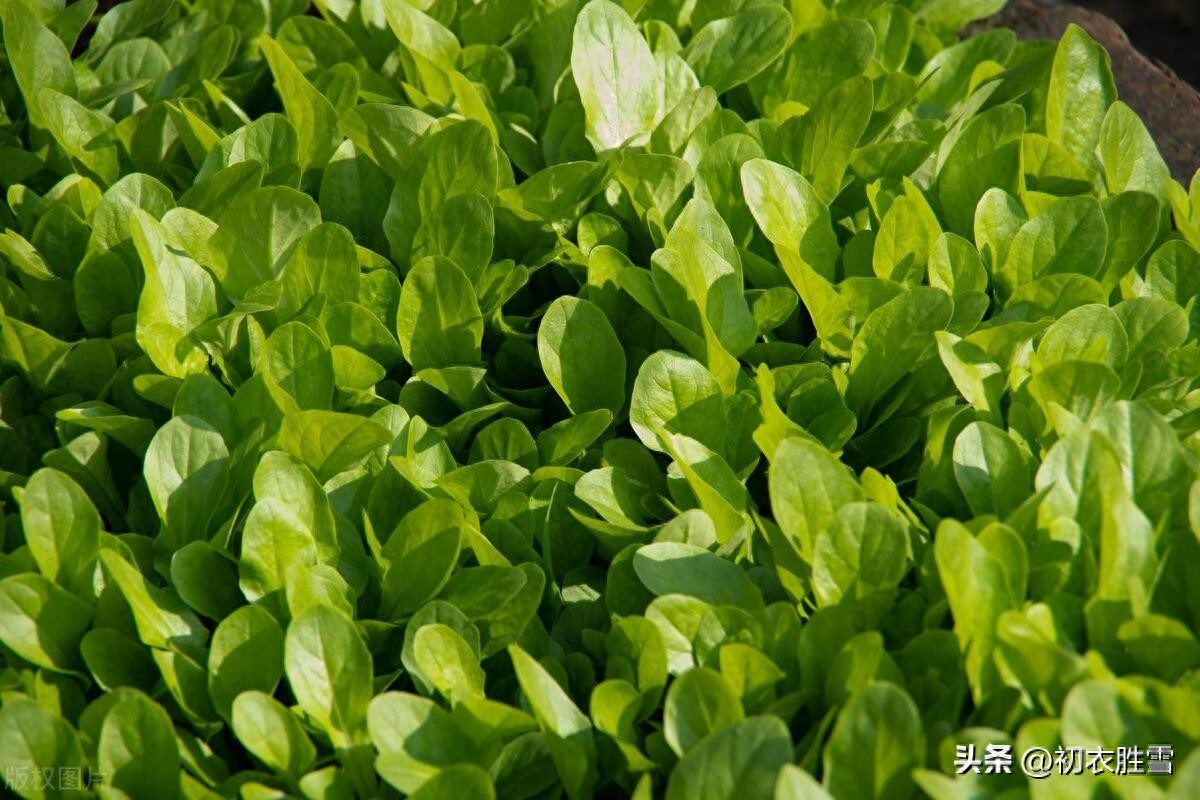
x: 711, y: 400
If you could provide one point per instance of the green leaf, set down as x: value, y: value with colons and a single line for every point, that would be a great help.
x: 298, y: 364
x: 33, y: 739
x: 177, y: 297
x: 385, y: 133
x: 162, y: 620
x: 136, y: 751
x: 752, y: 674
x: 439, y: 323
x: 876, y: 742
x: 1070, y: 237
x: 84, y: 135
x: 1089, y: 333
x: 616, y: 75
x: 564, y: 442
x: 582, y: 357
x: 62, y: 529
x: 741, y: 760
x: 1081, y: 90
x: 983, y: 576
x: 117, y: 660
x: 728, y: 52
x: 817, y: 60
x: 463, y: 232
x: 950, y: 16
x: 255, y: 236
x: 985, y: 155
x: 110, y: 223
x: 979, y: 381
x: 699, y: 703
x: 421, y: 553
x: 432, y: 49
x: 330, y: 672
x: 614, y: 707
x: 272, y: 734
x: 568, y: 731
x: 791, y: 215
x: 460, y: 780
x: 38, y: 59
x: 1161, y: 645
x: 675, y: 568
x: 290, y: 523
x: 329, y: 442
x: 805, y: 506
x: 448, y: 663
x: 714, y: 484
x: 796, y: 784
x: 881, y: 357
x: 406, y: 729
x: 991, y: 470
x: 246, y: 654
x: 310, y: 112
x: 42, y: 623
x: 820, y: 144
x: 637, y: 653
x: 1131, y: 160
x: 323, y: 262
x: 698, y: 279
x: 905, y: 240
x: 861, y: 551
x: 186, y: 471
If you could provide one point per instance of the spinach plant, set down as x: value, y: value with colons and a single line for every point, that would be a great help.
x: 548, y: 398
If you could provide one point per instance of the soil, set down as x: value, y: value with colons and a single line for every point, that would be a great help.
x: 1165, y: 30
x: 1169, y: 106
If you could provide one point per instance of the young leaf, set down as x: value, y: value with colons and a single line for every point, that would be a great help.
x: 38, y: 58
x: 1081, y: 90
x: 568, y: 732
x: 439, y: 320
x: 672, y: 568
x: 616, y: 75
x: 582, y: 357
x: 272, y: 734
x: 62, y: 530
x: 329, y: 670
x: 699, y: 703
x: 178, y: 296
x: 137, y: 751
x: 885, y: 719
x: 310, y: 112
x: 162, y: 620
x: 186, y: 470
x: 804, y: 507
x: 41, y: 622
x: 246, y: 654
x: 420, y: 555
x: 448, y: 662
x: 34, y: 739
x: 741, y: 760
x: 728, y: 52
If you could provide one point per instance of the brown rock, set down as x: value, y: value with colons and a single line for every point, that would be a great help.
x: 1168, y: 105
